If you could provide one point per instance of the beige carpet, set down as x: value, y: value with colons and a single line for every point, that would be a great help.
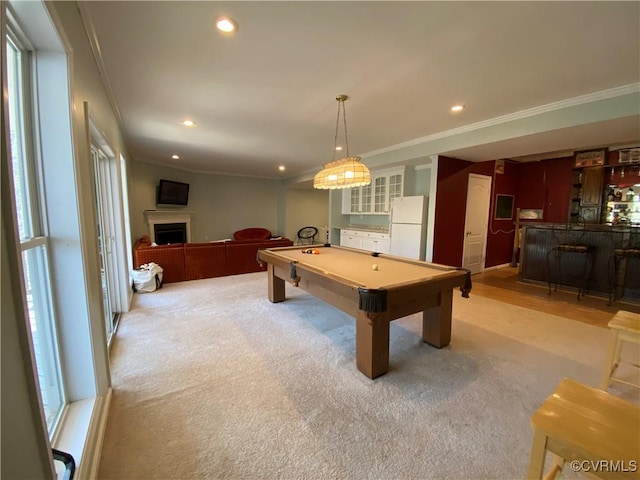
x: 213, y: 381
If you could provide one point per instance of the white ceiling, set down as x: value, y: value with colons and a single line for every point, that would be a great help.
x: 266, y: 95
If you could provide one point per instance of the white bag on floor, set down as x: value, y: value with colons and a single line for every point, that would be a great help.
x: 147, y: 278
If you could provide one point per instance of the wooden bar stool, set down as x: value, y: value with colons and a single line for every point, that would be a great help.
x: 597, y: 432
x: 623, y: 327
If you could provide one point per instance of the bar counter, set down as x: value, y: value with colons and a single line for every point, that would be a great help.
x: 540, y: 260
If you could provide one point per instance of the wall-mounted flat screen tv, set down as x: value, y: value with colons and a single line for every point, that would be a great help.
x: 173, y: 193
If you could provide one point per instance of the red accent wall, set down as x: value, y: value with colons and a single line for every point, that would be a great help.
x: 546, y: 185
x: 530, y: 187
x: 451, y: 204
x: 557, y: 189
x: 502, y: 232
x: 542, y: 185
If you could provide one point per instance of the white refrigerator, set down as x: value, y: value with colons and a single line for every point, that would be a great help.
x: 408, y: 227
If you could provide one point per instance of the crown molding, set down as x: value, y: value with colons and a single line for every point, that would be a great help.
x: 511, y: 117
x: 92, y: 37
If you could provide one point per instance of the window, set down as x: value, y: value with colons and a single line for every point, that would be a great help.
x: 34, y: 242
x: 56, y: 268
x: 105, y: 238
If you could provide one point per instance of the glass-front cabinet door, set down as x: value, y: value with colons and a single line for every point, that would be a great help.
x: 355, y: 200
x: 376, y: 197
x: 395, y: 188
x: 366, y: 199
x: 380, y: 195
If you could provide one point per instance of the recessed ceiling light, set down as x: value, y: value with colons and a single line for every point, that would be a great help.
x: 175, y: 157
x: 458, y: 108
x: 189, y: 123
x: 282, y: 168
x: 226, y: 25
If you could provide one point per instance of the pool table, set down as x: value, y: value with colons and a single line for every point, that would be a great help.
x: 373, y: 288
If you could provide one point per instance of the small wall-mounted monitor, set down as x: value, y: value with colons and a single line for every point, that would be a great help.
x: 173, y: 193
x: 504, y: 207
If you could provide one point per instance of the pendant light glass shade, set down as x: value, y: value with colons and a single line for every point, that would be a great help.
x: 347, y: 172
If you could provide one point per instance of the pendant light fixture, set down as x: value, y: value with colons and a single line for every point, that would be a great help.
x: 348, y: 172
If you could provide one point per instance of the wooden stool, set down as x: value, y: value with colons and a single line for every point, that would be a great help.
x: 597, y: 432
x: 624, y: 326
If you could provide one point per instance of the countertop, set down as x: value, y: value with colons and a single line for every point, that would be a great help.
x: 367, y: 228
x: 591, y: 227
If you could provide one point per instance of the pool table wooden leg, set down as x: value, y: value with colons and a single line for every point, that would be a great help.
x: 276, y: 285
x: 436, y: 321
x: 372, y: 343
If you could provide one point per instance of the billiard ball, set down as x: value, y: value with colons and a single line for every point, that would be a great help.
x: 374, y: 266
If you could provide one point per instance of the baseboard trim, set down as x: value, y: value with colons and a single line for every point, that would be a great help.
x: 100, y: 430
x: 496, y: 267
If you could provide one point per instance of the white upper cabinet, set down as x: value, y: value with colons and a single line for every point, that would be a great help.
x: 376, y: 197
x: 396, y: 183
x: 355, y: 199
x: 380, y: 194
x: 365, y: 199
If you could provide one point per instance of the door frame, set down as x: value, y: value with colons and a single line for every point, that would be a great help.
x: 109, y: 192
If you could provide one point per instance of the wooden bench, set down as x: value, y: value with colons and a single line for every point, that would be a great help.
x: 598, y: 431
x: 623, y: 327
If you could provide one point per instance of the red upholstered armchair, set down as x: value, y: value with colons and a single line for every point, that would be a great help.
x: 255, y: 233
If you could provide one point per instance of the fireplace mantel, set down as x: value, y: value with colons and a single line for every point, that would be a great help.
x: 155, y: 217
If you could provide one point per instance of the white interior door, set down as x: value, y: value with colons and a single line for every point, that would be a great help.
x: 476, y: 222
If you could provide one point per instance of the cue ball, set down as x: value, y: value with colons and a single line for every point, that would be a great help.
x: 374, y: 266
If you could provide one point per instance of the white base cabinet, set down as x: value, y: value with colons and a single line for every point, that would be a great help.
x: 365, y: 240
x: 350, y: 238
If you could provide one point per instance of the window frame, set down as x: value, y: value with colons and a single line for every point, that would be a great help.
x: 62, y: 155
x: 32, y: 232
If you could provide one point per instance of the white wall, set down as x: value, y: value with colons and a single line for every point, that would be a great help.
x: 422, y: 181
x: 306, y: 207
x: 223, y: 204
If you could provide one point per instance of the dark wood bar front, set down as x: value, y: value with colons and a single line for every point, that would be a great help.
x: 602, y: 259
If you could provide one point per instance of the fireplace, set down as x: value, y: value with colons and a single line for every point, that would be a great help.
x: 170, y: 233
x: 169, y: 226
